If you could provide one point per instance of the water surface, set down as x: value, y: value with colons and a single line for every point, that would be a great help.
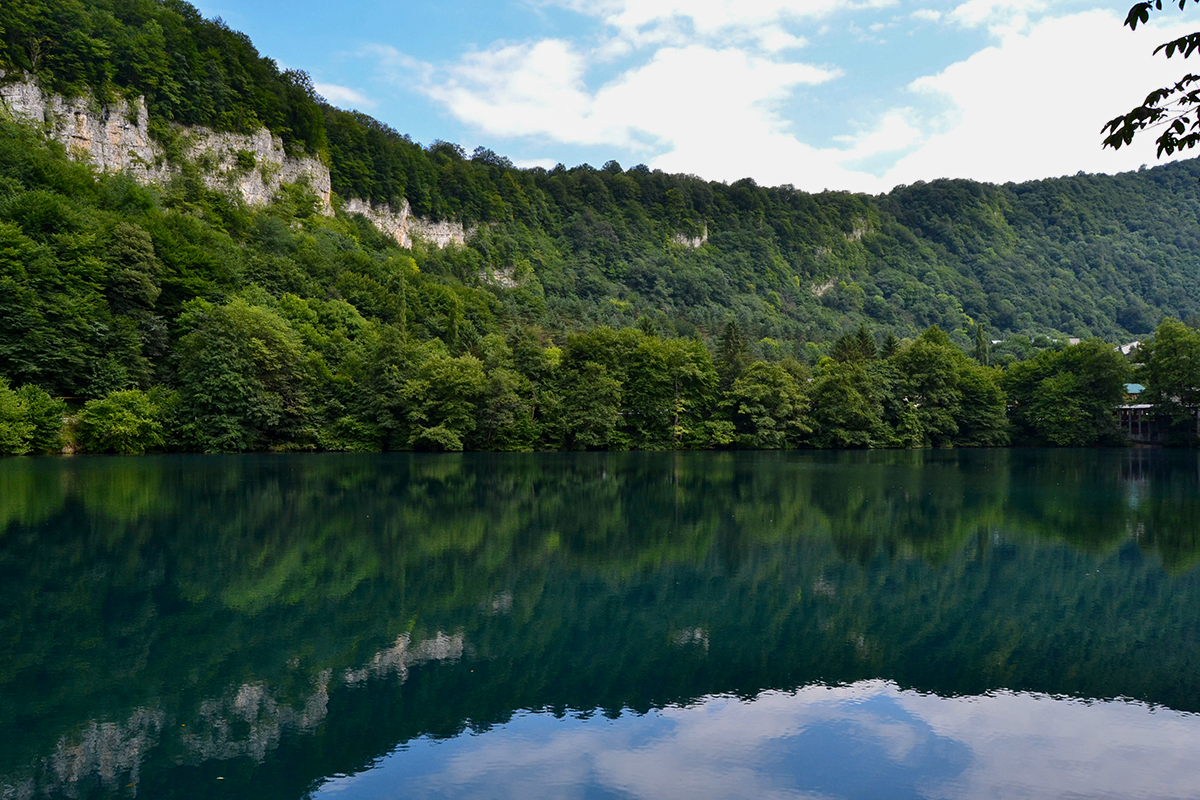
x: 914, y: 624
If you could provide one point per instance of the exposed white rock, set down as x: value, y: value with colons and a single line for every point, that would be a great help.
x: 505, y: 278
x: 437, y: 232
x: 255, y: 165
x: 860, y: 229
x: 405, y: 227
x: 111, y: 137
x: 692, y: 241
x: 820, y: 289
x: 116, y: 138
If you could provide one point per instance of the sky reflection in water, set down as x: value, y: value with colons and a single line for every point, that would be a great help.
x: 866, y: 740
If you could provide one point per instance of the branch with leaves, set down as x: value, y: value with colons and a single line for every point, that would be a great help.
x: 1175, y: 110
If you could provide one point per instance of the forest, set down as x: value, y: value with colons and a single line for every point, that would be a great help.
x: 591, y: 308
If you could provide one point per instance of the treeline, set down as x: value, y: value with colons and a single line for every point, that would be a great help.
x: 178, y: 319
x: 266, y: 377
x: 189, y: 70
x: 306, y: 375
x: 1082, y: 256
x: 587, y: 309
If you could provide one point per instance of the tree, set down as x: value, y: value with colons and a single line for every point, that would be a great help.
x: 585, y: 413
x: 45, y: 417
x: 15, y: 430
x: 931, y: 367
x: 1067, y: 397
x: 857, y: 346
x: 1175, y: 108
x: 123, y: 422
x: 982, y: 347
x: 443, y: 398
x: 733, y: 356
x: 769, y: 407
x: 847, y: 406
x: 1172, y: 377
x: 668, y: 391
x: 241, y: 377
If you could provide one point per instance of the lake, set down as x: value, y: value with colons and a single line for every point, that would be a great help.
x: 916, y: 624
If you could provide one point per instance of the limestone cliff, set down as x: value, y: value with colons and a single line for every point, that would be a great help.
x: 116, y: 137
x: 692, y: 241
x: 405, y: 227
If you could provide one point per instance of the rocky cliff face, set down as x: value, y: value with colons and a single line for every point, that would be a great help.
x: 692, y: 241
x: 254, y: 166
x: 404, y: 226
x: 113, y: 138
x: 117, y: 138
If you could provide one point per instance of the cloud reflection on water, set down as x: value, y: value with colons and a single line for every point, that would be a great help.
x: 869, y: 739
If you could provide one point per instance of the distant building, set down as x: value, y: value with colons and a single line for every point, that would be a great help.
x: 1136, y: 417
x: 1129, y: 347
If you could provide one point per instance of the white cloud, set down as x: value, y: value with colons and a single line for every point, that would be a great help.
x: 681, y: 22
x: 343, y: 96
x: 1029, y: 106
x: 526, y: 89
x: 1001, y: 16
x: 1032, y: 105
x: 926, y: 15
x: 1002, y: 745
x: 713, y: 97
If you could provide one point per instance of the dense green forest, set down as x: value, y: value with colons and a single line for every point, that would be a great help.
x: 636, y: 308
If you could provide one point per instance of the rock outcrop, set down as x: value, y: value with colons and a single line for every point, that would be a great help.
x: 116, y: 137
x: 111, y: 137
x: 254, y: 165
x: 692, y: 241
x: 405, y: 227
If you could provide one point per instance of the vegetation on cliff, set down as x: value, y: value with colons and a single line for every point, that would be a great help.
x: 590, y: 308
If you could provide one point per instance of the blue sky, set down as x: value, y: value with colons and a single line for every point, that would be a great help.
x: 861, y: 95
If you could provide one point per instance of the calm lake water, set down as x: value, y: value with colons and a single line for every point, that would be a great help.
x: 998, y: 624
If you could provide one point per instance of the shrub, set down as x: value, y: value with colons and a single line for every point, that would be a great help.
x: 127, y: 422
x: 15, y: 429
x: 45, y: 417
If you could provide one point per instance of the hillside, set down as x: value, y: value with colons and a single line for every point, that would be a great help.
x: 581, y: 307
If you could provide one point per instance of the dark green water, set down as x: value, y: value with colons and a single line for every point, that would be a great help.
x: 913, y: 624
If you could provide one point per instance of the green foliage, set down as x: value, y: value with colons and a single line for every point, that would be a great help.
x: 45, y: 417
x: 1066, y: 397
x: 30, y: 420
x: 956, y: 401
x: 1172, y: 109
x: 847, y: 406
x: 1172, y: 377
x: 125, y: 422
x: 442, y: 397
x: 590, y: 309
x: 190, y: 70
x: 15, y: 428
x: 769, y: 407
x: 241, y: 376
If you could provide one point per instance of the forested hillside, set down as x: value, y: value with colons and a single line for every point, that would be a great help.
x: 590, y: 307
